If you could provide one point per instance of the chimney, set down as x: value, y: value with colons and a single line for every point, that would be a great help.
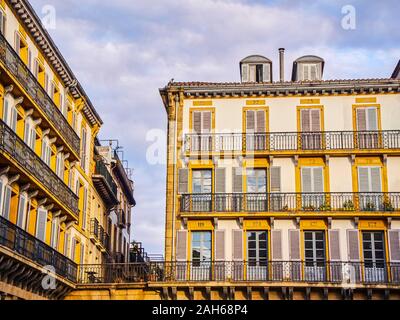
x: 282, y: 64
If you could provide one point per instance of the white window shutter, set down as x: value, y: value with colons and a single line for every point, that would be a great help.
x: 275, y: 177
x: 266, y: 72
x: 260, y: 121
x: 376, y: 182
x: 220, y: 180
x: 183, y: 177
x: 318, y: 179
x: 276, y: 239
x: 206, y: 127
x: 372, y: 119
x: 21, y: 211
x: 85, y: 201
x: 41, y: 224
x: 294, y: 245
x: 219, y: 245
x: 237, y: 180
x: 315, y: 120
x: 197, y: 122
x: 237, y: 243
x: 361, y: 119
x: 305, y: 120
x: 394, y: 245
x: 17, y: 43
x: 334, y: 245
x: 66, y: 244
x: 353, y: 245
x: 306, y: 73
x: 363, y: 179
x: 313, y: 71
x: 306, y: 183
x: 7, y: 202
x: 14, y: 118
x: 245, y: 73
x: 250, y: 121
x: 181, y: 245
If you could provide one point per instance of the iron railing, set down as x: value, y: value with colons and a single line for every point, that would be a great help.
x: 18, y: 150
x: 21, y: 242
x: 345, y: 273
x: 293, y: 141
x: 102, y: 170
x: 288, y: 202
x: 94, y: 228
x: 11, y: 60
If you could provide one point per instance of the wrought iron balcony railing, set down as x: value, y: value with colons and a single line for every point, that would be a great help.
x: 109, y: 186
x: 94, y: 228
x: 289, y: 202
x: 16, y: 148
x: 344, y: 273
x: 21, y: 242
x: 293, y: 141
x: 20, y: 71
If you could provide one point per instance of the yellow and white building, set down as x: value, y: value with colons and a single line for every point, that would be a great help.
x: 52, y: 186
x: 285, y: 186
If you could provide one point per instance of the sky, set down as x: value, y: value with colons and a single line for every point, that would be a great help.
x: 123, y: 51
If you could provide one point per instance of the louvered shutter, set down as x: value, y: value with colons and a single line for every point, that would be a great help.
x: 363, y: 179
x: 84, y: 208
x: 250, y: 121
x: 7, y: 202
x: 334, y: 245
x: 21, y: 211
x: 73, y: 249
x: 318, y: 179
x: 41, y: 224
x: 197, y: 122
x: 260, y: 121
x: 245, y: 73
x: 306, y: 73
x: 353, y: 245
x: 54, y: 233
x: 275, y: 177
x: 26, y: 132
x: 394, y: 245
x: 313, y: 72
x: 305, y: 120
x: 294, y: 245
x: 66, y: 244
x: 266, y: 72
x: 81, y: 258
x: 14, y: 118
x: 17, y: 43
x: 181, y: 245
x: 1, y: 195
x: 183, y: 176
x: 220, y: 180
x: 6, y: 111
x: 306, y: 183
x: 237, y: 242
x: 375, y: 179
x: 361, y: 119
x: 237, y: 180
x: 372, y: 119
x: 206, y: 122
x: 315, y: 120
x: 219, y: 245
x: 276, y: 238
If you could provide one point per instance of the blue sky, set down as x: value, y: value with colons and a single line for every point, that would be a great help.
x: 122, y: 51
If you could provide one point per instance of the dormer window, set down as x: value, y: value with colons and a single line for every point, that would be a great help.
x: 256, y: 69
x: 308, y: 68
x: 310, y: 72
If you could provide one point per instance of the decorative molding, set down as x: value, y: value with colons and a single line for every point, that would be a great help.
x: 298, y: 222
x: 272, y: 222
x: 13, y: 179
x: 327, y: 159
x: 384, y: 159
x: 389, y: 223
x: 353, y: 159
x: 9, y: 89
x: 271, y: 160
x: 329, y: 222
x: 240, y: 222
x: 296, y: 160
x: 356, y: 222
x: 216, y: 223
x: 18, y: 100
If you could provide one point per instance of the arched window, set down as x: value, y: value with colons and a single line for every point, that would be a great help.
x: 23, y: 209
x: 10, y: 112
x: 5, y: 197
x: 46, y: 150
x: 30, y: 133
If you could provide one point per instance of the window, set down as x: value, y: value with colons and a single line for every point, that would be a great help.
x: 84, y: 208
x: 310, y: 120
x: 46, y: 150
x: 36, y: 69
x: 310, y: 72
x: 374, y: 256
x: 256, y: 187
x: 201, y: 181
x: 83, y: 148
x: 314, y: 252
x: 5, y: 198
x: 2, y: 22
x: 201, y: 247
x: 22, y: 211
x: 255, y: 130
x: 367, y: 121
x: 60, y: 166
x: 312, y: 187
x: 30, y: 133
x: 55, y: 233
x: 41, y: 224
x: 202, y: 126
x: 73, y: 249
x: 257, y: 255
x: 370, y: 186
x: 46, y: 82
x: 10, y: 112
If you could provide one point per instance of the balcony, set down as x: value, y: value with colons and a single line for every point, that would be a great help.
x: 121, y: 218
x: 98, y: 235
x: 104, y: 183
x: 338, y: 273
x: 14, y: 65
x: 277, y: 142
x: 341, y: 202
x: 22, y: 243
x: 14, y: 147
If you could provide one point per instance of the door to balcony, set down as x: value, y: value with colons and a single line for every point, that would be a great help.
x: 201, y: 256
x: 256, y: 186
x: 257, y: 255
x: 311, y: 136
x: 367, y: 127
x: 312, y: 185
x: 314, y: 246
x: 370, y: 187
x: 201, y: 188
x: 374, y: 257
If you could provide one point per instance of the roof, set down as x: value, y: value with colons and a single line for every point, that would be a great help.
x: 396, y: 72
x: 307, y: 59
x: 255, y: 59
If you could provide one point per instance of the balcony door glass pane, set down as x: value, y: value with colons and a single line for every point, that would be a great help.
x: 314, y: 252
x: 201, y: 255
x: 374, y: 256
x: 257, y: 255
x: 256, y: 188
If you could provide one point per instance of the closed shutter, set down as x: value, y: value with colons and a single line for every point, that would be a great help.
x: 394, y: 245
x: 14, y: 118
x: 219, y: 245
x: 21, y: 211
x: 220, y: 180
x: 369, y: 179
x: 275, y: 177
x: 245, y: 73
x: 276, y: 238
x: 294, y: 245
x: 313, y: 71
x: 73, y: 249
x: 7, y: 202
x: 315, y: 120
x: 353, y: 245
x: 266, y: 72
x: 41, y: 224
x: 84, y: 208
x: 334, y: 245
x: 1, y: 195
x: 237, y: 180
x: 363, y: 179
x: 318, y: 179
x: 312, y: 179
x: 197, y: 122
x: 306, y: 73
x: 66, y: 244
x: 260, y: 121
x: 54, y: 233
x: 376, y: 179
x: 305, y: 120
x: 26, y: 131
x: 250, y: 121
x: 372, y: 123
x: 17, y: 43
x: 81, y: 258
x: 206, y: 122
x: 6, y: 111
x: 361, y: 119
x: 237, y: 242
x: 181, y: 245
x: 183, y: 176
x: 306, y: 183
